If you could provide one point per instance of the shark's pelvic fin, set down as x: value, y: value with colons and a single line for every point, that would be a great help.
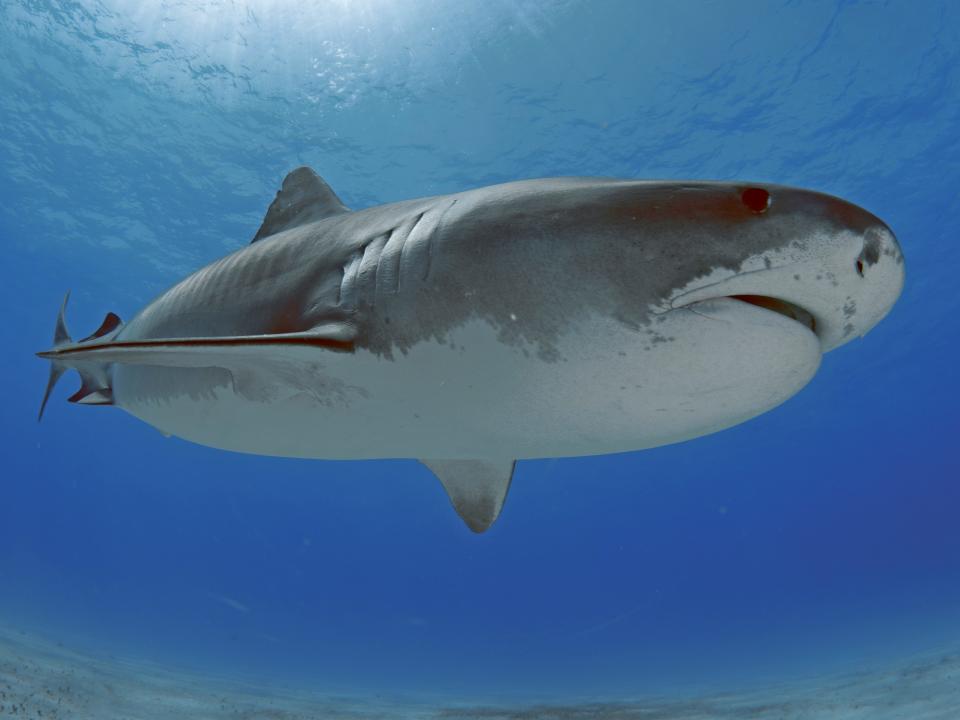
x: 477, y: 488
x: 303, y: 198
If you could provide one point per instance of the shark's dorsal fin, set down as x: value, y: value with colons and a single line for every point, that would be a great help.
x: 477, y: 488
x: 303, y: 198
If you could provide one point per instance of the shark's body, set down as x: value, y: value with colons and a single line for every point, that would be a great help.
x: 533, y: 319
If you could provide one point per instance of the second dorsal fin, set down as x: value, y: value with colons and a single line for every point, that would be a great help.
x: 110, y: 323
x: 303, y: 198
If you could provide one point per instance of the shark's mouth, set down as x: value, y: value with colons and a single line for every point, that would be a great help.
x: 781, y: 307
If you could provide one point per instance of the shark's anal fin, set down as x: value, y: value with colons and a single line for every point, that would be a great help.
x: 92, y: 396
x: 477, y: 488
x: 303, y: 198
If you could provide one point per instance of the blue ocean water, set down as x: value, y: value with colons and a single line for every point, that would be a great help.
x: 139, y: 141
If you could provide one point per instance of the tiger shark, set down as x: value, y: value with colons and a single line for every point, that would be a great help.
x: 532, y: 319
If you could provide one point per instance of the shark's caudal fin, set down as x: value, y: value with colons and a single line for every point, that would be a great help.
x: 477, y: 488
x: 303, y: 198
x: 61, y: 337
x: 95, y: 386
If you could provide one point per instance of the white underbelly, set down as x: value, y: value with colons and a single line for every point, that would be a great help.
x: 607, y: 388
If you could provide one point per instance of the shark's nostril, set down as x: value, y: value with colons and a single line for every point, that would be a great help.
x: 860, y: 267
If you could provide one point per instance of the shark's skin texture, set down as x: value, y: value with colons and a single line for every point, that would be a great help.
x: 542, y: 318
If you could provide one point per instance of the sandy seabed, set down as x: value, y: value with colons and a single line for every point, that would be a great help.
x: 40, y: 680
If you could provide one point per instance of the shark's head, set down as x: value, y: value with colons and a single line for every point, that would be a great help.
x: 706, y: 303
x: 816, y: 258
x: 748, y: 285
x: 635, y: 250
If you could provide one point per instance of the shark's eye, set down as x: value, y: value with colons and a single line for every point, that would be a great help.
x: 757, y: 199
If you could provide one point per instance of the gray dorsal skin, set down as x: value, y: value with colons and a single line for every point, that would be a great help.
x: 534, y: 319
x: 477, y: 488
x: 303, y: 198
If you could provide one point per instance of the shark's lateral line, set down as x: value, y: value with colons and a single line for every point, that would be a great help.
x: 543, y: 318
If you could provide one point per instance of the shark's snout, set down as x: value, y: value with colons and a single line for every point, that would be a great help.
x: 866, y: 292
x: 840, y: 276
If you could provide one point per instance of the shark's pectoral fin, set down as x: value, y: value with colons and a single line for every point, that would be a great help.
x: 303, y: 198
x: 219, y: 351
x: 477, y: 488
x: 258, y: 363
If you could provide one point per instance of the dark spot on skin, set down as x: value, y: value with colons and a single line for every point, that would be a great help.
x: 796, y: 277
x: 848, y: 330
x: 757, y: 199
x: 850, y: 309
x: 860, y: 267
x: 871, y: 250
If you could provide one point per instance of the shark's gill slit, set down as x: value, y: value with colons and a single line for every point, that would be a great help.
x: 781, y: 307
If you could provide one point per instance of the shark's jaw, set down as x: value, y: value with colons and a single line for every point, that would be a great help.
x: 840, y: 287
x: 781, y: 307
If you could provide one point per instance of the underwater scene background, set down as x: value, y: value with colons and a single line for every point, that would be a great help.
x: 139, y: 141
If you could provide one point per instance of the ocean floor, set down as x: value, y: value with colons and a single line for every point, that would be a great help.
x: 40, y: 680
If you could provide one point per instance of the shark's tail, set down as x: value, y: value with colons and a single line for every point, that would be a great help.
x: 95, y: 388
